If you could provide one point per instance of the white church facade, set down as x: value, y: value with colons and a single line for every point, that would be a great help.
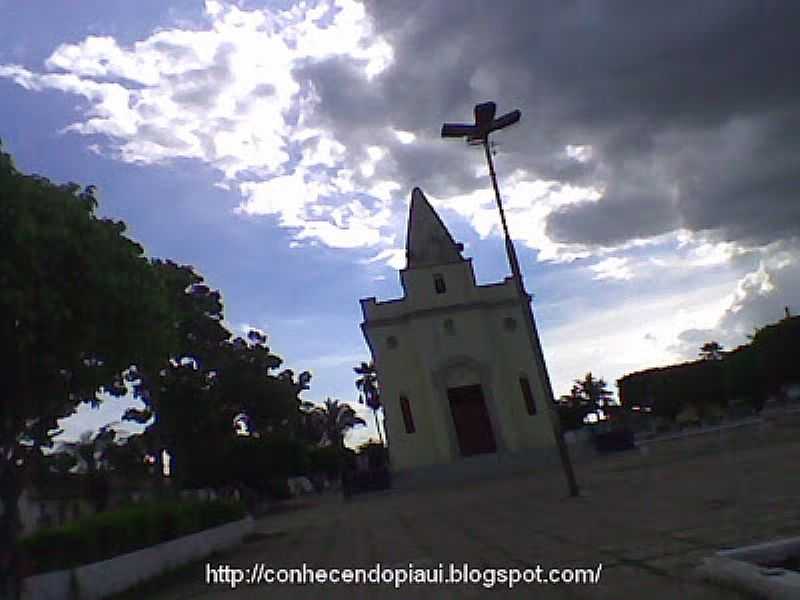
x: 457, y: 373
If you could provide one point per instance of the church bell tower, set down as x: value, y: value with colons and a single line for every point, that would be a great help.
x: 457, y: 374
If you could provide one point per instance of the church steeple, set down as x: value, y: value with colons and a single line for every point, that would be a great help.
x: 428, y: 242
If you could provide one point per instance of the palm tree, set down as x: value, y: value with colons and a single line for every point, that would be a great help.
x: 367, y: 384
x: 336, y: 419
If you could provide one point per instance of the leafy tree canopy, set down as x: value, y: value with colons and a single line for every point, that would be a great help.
x: 711, y: 351
x: 80, y: 304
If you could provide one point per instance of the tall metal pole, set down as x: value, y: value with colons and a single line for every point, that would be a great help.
x: 516, y: 273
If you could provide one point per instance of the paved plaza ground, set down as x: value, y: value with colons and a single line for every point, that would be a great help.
x: 649, y: 516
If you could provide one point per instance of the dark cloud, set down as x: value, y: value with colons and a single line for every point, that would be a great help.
x: 689, y: 108
x: 348, y: 102
x: 358, y: 112
x: 612, y: 221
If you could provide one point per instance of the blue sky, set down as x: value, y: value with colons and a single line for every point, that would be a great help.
x: 274, y: 146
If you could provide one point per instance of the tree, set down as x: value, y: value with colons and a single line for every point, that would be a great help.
x: 214, y: 387
x: 743, y: 377
x: 331, y: 422
x: 91, y: 453
x: 129, y: 456
x: 176, y: 382
x: 711, y: 351
x: 574, y: 399
x: 776, y: 346
x: 311, y: 426
x: 367, y: 384
x: 572, y: 409
x: 249, y: 391
x: 189, y: 421
x: 337, y: 418
x: 80, y: 304
x: 592, y: 393
x: 91, y: 449
x: 258, y: 462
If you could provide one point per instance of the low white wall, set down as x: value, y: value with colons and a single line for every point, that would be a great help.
x: 105, y: 578
x: 739, y: 568
x: 54, y: 585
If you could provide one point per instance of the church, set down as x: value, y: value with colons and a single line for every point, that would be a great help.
x: 455, y: 365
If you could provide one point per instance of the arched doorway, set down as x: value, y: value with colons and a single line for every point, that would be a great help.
x: 467, y: 407
x: 471, y: 420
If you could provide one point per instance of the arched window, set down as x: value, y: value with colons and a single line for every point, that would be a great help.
x: 438, y: 283
x: 408, y: 418
x: 527, y: 395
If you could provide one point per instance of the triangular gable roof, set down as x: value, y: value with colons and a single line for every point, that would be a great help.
x: 428, y: 242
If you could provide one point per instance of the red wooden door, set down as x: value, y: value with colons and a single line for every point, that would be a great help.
x: 471, y: 420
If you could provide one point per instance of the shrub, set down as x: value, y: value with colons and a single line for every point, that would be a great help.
x: 254, y: 461
x: 278, y: 489
x: 324, y: 460
x: 110, y: 534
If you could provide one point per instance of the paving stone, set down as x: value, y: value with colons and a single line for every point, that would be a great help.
x: 649, y: 519
x: 635, y: 582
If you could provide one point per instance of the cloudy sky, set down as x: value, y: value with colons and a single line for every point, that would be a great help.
x: 651, y: 184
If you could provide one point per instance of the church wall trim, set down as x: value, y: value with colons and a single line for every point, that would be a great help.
x: 440, y: 310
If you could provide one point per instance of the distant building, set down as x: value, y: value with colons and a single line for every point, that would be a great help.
x: 56, y: 502
x: 457, y: 372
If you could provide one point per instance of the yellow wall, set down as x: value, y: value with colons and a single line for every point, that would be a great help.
x: 427, y: 360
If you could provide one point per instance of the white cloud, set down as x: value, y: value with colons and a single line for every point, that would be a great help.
x: 374, y: 155
x: 110, y: 412
x: 327, y: 361
x: 405, y: 137
x: 384, y: 189
x: 614, y: 267
x: 687, y: 291
x: 758, y: 282
x: 710, y: 254
x: 580, y: 153
x: 324, y: 151
x: 756, y: 297
x: 394, y: 257
x: 527, y: 203
x: 297, y: 201
x: 634, y: 333
x: 226, y: 95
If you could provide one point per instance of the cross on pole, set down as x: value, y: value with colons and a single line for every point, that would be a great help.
x: 478, y: 133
